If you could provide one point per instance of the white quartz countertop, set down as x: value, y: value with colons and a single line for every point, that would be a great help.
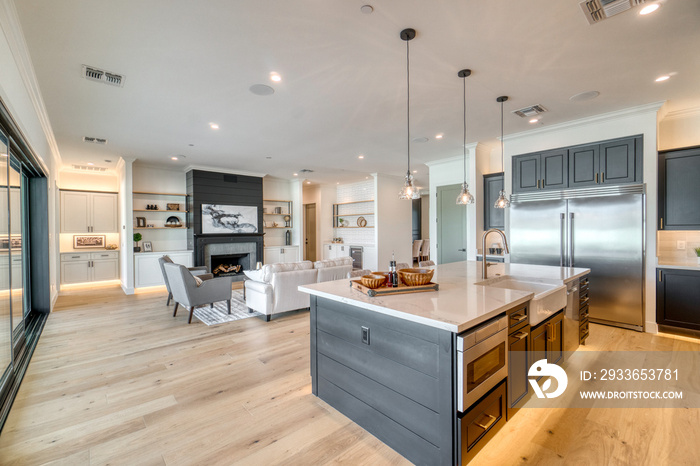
x: 459, y: 304
x: 691, y: 264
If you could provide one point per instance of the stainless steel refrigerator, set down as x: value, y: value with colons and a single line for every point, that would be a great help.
x: 598, y: 228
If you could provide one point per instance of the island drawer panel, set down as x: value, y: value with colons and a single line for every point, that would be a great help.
x: 388, y: 342
x: 412, y: 446
x: 408, y: 413
x: 404, y: 380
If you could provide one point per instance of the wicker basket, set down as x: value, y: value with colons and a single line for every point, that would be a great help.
x: 373, y: 281
x: 415, y: 277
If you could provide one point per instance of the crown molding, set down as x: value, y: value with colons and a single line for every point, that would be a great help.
x: 632, y: 111
x: 9, y: 21
x: 682, y: 114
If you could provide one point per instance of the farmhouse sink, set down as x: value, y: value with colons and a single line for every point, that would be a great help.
x: 550, y: 295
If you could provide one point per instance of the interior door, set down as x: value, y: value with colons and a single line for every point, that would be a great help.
x: 310, y: 232
x: 451, y: 225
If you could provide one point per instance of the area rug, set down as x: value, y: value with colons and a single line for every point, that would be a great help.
x: 219, y: 314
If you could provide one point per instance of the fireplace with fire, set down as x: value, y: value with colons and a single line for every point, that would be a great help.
x: 230, y: 264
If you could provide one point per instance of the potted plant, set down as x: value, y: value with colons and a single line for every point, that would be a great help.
x: 137, y: 238
x: 341, y: 222
x: 697, y: 253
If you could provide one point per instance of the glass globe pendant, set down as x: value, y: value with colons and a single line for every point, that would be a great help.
x: 502, y: 202
x: 465, y: 197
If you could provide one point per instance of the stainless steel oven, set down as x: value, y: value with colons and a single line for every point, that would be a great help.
x: 482, y: 360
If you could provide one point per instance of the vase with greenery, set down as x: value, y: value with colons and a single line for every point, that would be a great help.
x: 340, y: 222
x: 137, y: 238
x: 697, y: 253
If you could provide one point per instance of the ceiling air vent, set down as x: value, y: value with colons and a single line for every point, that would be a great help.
x: 530, y: 111
x: 88, y: 168
x: 96, y: 74
x: 94, y: 140
x: 598, y: 10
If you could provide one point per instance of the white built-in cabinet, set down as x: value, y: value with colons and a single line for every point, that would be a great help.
x: 274, y: 254
x: 147, y: 269
x: 82, y: 267
x: 89, y: 212
x: 335, y: 250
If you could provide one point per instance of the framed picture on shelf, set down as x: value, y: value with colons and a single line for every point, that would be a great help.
x: 88, y: 241
x: 147, y: 246
x: 140, y: 222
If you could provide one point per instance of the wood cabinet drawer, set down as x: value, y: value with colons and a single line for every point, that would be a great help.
x: 517, y: 318
x: 481, y: 422
x: 104, y: 255
x: 81, y: 256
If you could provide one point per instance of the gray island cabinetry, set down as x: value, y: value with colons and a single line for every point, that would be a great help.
x: 427, y: 373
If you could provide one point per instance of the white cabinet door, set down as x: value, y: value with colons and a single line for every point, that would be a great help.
x: 289, y: 254
x: 75, y: 212
x: 273, y: 255
x: 105, y: 270
x: 104, y: 213
x: 328, y: 251
x: 148, y: 271
x: 75, y: 272
x: 341, y: 250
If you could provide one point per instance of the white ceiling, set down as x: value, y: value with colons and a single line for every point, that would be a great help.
x: 343, y: 91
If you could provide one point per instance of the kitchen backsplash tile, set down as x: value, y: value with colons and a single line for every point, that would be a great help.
x: 667, y: 244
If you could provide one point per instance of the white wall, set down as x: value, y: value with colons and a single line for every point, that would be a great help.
x: 680, y: 129
x: 638, y: 120
x: 20, y: 93
x: 126, y: 224
x: 87, y: 181
x: 394, y: 229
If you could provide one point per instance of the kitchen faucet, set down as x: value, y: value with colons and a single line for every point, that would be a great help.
x: 484, y: 265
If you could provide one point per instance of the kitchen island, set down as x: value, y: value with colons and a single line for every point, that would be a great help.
x: 390, y: 363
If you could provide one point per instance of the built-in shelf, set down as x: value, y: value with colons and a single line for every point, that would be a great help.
x: 278, y: 228
x: 160, y: 194
x: 345, y: 228
x: 160, y: 228
x: 267, y: 213
x: 160, y: 210
x: 354, y: 215
x: 338, y: 213
x: 353, y: 202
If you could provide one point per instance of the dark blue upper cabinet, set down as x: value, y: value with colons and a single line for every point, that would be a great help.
x: 679, y: 189
x: 602, y: 163
x: 493, y: 218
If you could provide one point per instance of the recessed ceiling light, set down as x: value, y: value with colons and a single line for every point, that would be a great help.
x: 360, y: 156
x: 649, y: 9
x: 308, y: 182
x: 415, y: 171
x: 296, y: 174
x: 275, y: 77
x: 213, y: 126
x: 91, y: 164
x: 173, y: 158
x: 338, y: 182
x: 439, y: 136
x: 367, y: 9
x: 662, y: 78
x: 534, y: 120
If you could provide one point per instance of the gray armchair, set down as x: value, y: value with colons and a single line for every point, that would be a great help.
x: 186, y: 292
x: 201, y: 272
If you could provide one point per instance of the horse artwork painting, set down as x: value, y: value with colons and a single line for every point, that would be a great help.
x: 221, y: 219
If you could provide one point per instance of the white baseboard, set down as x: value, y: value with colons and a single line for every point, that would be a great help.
x: 127, y: 290
x: 651, y: 327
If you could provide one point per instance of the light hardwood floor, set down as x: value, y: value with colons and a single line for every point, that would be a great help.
x: 116, y: 379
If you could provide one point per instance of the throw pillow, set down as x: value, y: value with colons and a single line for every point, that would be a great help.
x: 198, y: 281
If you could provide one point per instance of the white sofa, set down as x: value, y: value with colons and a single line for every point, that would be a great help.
x: 274, y: 288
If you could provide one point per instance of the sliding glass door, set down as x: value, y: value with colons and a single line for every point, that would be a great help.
x: 5, y: 310
x: 17, y: 247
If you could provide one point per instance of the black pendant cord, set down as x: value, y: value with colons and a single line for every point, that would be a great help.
x: 503, y: 160
x: 464, y: 140
x: 408, y: 111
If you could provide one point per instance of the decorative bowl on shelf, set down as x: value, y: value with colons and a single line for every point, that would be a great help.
x: 173, y: 222
x: 373, y: 281
x: 416, y: 277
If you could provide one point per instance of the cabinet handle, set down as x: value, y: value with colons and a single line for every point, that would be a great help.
x: 75, y: 257
x: 520, y: 335
x: 490, y: 422
x: 550, y: 332
x: 660, y: 279
x: 519, y: 318
x: 538, y: 184
x: 602, y: 177
x: 661, y: 227
x: 596, y: 178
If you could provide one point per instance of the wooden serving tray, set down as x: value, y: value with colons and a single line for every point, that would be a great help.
x: 385, y: 290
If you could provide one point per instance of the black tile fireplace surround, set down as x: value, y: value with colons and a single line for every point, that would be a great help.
x: 206, y: 246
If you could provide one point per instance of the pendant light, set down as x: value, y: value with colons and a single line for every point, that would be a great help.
x: 465, y: 197
x: 408, y: 191
x: 502, y: 202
